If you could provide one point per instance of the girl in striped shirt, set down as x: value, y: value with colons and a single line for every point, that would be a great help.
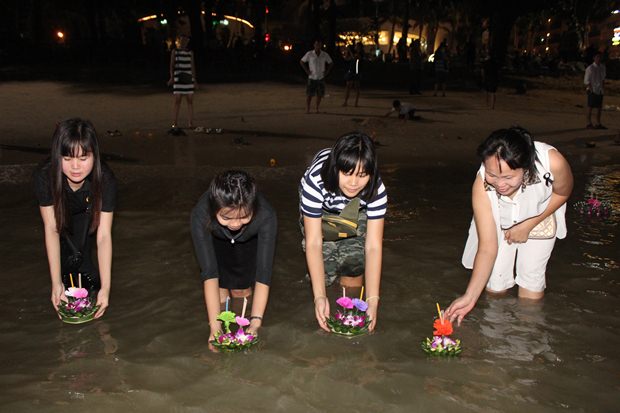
x: 344, y: 180
x: 182, y: 79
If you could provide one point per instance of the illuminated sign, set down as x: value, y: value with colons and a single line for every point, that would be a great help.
x: 615, y: 41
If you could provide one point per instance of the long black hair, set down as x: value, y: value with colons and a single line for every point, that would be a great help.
x: 232, y: 189
x: 349, y: 150
x: 513, y: 146
x: 72, y: 138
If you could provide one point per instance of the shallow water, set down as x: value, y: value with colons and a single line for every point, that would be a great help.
x: 149, y: 352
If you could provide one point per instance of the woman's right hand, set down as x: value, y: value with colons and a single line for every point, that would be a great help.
x: 321, y: 311
x: 459, y: 308
x: 58, y: 294
x: 216, y: 329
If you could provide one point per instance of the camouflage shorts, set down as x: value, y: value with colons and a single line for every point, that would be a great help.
x: 345, y: 256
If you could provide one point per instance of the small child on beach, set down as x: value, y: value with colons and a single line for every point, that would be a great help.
x: 406, y: 111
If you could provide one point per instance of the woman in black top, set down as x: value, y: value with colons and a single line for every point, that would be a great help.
x: 234, y: 232
x: 77, y: 196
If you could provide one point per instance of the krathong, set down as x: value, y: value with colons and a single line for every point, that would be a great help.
x: 79, y: 307
x: 593, y: 207
x: 441, y: 344
x: 351, y: 318
x: 239, y: 340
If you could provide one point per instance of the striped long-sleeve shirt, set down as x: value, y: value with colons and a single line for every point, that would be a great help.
x: 315, y: 199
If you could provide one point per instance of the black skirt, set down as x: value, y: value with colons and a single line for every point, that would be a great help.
x: 236, y: 262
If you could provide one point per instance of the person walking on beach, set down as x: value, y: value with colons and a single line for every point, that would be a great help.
x: 594, y: 79
x: 415, y: 67
x: 317, y: 65
x: 234, y: 233
x: 440, y: 60
x: 76, y: 192
x: 519, y: 200
x: 342, y: 186
x: 352, y: 74
x: 182, y: 79
x: 490, y: 73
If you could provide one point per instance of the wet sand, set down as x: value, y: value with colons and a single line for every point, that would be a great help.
x: 149, y: 352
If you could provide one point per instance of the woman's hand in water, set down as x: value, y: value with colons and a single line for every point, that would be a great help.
x: 321, y: 310
x: 371, y: 313
x: 58, y: 294
x: 103, y: 297
x: 255, y: 324
x: 216, y: 329
x: 459, y: 308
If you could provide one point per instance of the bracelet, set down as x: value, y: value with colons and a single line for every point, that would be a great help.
x: 256, y: 317
x: 374, y: 296
x: 320, y: 296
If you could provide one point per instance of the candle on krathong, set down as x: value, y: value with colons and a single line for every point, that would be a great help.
x: 227, y: 299
x: 80, y: 279
x: 344, y: 292
x: 245, y: 303
x: 439, y: 312
x: 362, y: 293
x: 71, y: 279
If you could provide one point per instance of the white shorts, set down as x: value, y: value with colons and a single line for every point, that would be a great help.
x: 531, y: 264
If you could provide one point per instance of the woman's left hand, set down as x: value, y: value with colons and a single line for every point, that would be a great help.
x: 103, y: 297
x: 518, y: 234
x: 255, y: 324
x: 371, y: 312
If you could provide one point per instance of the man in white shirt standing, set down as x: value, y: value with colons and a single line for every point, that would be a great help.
x: 316, y: 64
x: 594, y: 79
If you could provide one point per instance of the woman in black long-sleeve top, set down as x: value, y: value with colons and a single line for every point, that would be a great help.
x: 234, y: 232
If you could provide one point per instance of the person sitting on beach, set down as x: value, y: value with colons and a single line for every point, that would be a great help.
x: 76, y: 192
x: 406, y: 111
x: 343, y: 184
x: 519, y: 201
x: 234, y: 234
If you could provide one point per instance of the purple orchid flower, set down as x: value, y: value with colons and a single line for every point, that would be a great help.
x: 345, y: 302
x: 447, y: 341
x: 360, y: 304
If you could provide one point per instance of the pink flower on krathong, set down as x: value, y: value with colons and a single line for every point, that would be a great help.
x: 242, y: 321
x: 594, y: 203
x: 241, y: 337
x: 76, y: 292
x: 358, y: 320
x: 437, y: 342
x: 339, y: 316
x: 360, y: 304
x: 447, y: 341
x: 345, y: 302
x: 79, y: 304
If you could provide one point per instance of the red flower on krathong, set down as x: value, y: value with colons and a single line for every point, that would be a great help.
x: 442, y: 328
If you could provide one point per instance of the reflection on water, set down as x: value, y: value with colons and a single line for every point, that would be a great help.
x: 149, y: 353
